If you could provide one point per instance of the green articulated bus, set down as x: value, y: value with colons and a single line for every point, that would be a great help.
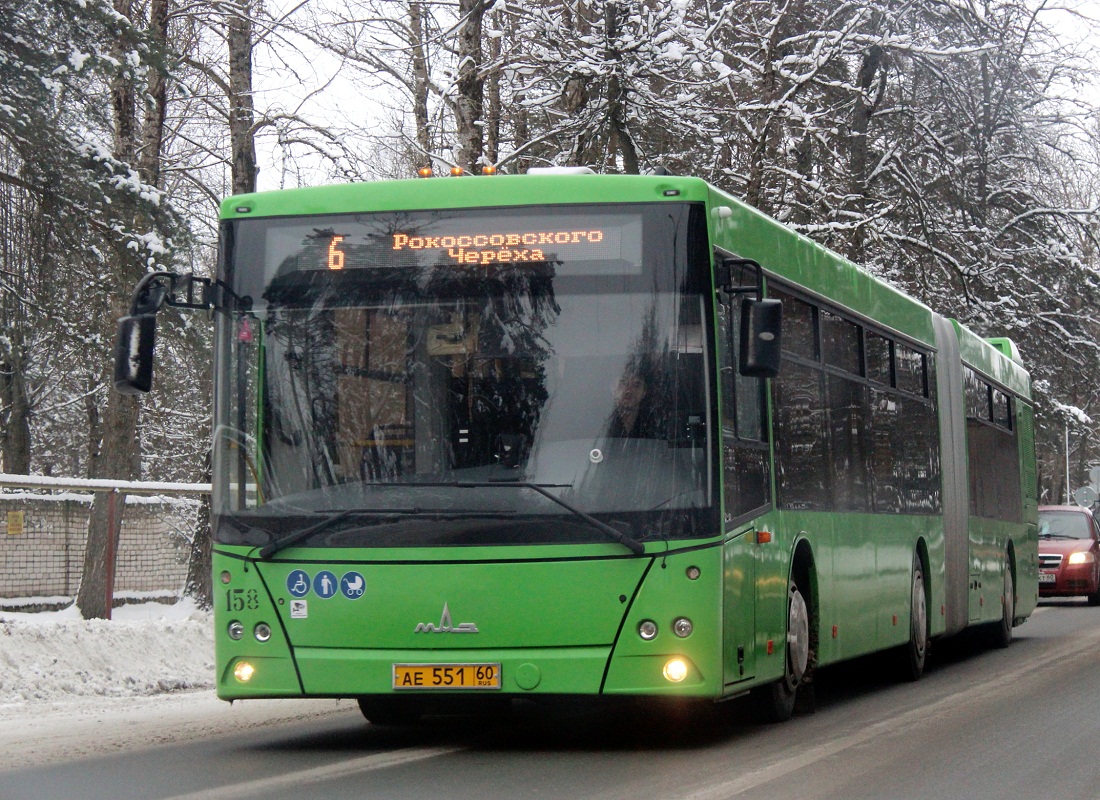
x: 586, y: 435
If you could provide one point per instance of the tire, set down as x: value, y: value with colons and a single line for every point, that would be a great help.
x: 776, y: 701
x: 914, y: 654
x: 1002, y: 631
x: 391, y: 710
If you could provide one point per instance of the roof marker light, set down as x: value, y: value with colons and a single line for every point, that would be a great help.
x: 424, y: 172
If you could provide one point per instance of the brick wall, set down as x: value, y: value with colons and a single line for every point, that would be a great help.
x: 45, y: 559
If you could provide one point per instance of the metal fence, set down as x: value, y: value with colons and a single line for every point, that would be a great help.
x: 44, y: 531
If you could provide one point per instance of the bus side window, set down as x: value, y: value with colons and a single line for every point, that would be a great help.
x: 745, y: 454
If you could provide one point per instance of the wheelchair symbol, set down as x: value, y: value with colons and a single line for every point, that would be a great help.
x: 297, y: 583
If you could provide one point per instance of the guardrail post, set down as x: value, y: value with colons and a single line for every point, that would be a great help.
x: 112, y: 547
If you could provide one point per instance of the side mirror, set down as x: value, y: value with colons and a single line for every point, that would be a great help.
x: 761, y: 337
x: 134, y: 353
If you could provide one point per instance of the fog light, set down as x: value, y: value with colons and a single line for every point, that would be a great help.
x: 262, y: 632
x: 647, y: 629
x: 682, y: 627
x: 235, y: 630
x: 675, y: 670
x: 244, y: 671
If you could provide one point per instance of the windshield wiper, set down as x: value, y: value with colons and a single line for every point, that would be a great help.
x: 271, y: 548
x: 388, y: 514
x: 633, y: 545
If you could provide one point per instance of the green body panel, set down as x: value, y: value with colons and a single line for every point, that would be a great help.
x: 988, y: 359
x: 572, y: 619
x: 748, y: 233
x: 564, y: 619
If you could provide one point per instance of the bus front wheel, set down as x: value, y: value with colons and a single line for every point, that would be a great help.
x: 391, y: 710
x: 776, y: 701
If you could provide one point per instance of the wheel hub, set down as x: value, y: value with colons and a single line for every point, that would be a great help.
x: 798, y: 635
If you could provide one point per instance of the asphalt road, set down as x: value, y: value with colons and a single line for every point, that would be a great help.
x: 983, y: 723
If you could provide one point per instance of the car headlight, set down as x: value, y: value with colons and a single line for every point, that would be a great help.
x: 1082, y: 558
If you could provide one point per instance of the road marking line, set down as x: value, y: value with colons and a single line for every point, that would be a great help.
x: 340, y: 769
x: 889, y: 727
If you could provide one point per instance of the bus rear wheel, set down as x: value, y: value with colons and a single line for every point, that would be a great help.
x: 914, y: 654
x: 1002, y: 631
x: 776, y: 701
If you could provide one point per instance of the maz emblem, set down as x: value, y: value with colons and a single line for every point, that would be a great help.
x: 445, y: 625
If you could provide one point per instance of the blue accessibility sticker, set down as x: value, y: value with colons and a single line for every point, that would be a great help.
x: 324, y: 584
x: 297, y: 583
x: 352, y: 585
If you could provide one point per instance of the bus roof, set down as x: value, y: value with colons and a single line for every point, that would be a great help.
x: 466, y: 192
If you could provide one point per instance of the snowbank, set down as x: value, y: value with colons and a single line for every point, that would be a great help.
x: 147, y: 649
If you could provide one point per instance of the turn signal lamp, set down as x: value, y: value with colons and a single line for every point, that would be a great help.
x: 424, y: 172
x: 243, y: 671
x: 676, y: 669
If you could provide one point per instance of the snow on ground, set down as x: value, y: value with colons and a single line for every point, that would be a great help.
x: 73, y: 688
x: 146, y: 649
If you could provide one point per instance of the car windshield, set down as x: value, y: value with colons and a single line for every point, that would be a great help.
x: 466, y: 377
x: 1064, y: 525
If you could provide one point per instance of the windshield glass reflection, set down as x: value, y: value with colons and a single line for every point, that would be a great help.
x: 407, y: 393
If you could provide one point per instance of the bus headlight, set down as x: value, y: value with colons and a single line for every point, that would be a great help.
x: 676, y: 669
x: 243, y: 671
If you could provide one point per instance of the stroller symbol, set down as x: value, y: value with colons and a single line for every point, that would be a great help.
x: 352, y: 585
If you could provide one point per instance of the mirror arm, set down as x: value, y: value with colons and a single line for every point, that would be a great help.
x: 150, y: 293
x: 725, y: 272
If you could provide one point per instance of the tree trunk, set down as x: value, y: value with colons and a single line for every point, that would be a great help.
x: 242, y: 116
x: 199, y: 580
x: 17, y: 410
x: 420, y: 79
x: 469, y: 136
x: 619, y: 139
x: 120, y: 453
x: 858, y: 147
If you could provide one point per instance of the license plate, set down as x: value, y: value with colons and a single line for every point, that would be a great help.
x: 446, y: 676
x: 1047, y: 577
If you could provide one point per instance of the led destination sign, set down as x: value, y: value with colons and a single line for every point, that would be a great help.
x: 573, y: 243
x: 502, y: 248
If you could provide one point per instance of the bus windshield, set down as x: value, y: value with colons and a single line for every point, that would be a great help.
x: 519, y: 375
